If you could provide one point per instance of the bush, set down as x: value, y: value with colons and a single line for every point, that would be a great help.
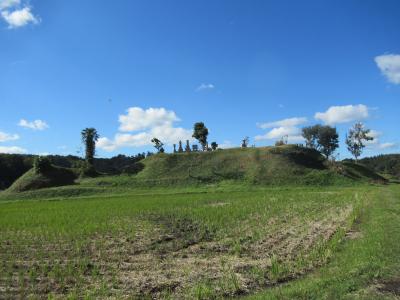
x: 41, y: 165
x: 88, y: 170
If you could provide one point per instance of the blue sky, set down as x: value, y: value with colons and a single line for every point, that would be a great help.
x: 134, y: 69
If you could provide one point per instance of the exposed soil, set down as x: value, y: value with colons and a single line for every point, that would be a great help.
x: 392, y: 286
x: 168, y: 257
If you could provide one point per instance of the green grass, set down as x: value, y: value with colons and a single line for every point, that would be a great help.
x: 366, y: 267
x: 200, y: 242
x: 53, y: 177
x: 263, y: 223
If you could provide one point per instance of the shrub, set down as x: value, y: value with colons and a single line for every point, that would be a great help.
x: 41, y: 165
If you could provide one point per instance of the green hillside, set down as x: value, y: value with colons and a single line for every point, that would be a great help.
x: 287, y: 164
x: 54, y: 177
x: 269, y: 166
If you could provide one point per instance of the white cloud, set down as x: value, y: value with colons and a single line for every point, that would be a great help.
x: 35, y: 125
x: 4, y: 137
x: 375, y: 135
x: 283, y: 128
x: 8, y: 3
x: 205, y: 86
x: 12, y: 150
x: 389, y: 65
x: 387, y: 146
x: 19, y: 17
x: 376, y: 143
x: 343, y: 114
x: 140, y: 119
x: 154, y: 122
x: 292, y: 133
x: 226, y: 145
x: 290, y: 122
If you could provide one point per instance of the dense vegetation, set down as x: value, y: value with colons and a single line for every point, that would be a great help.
x: 13, y: 166
x: 384, y: 164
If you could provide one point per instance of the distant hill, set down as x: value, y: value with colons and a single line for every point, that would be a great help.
x: 388, y: 164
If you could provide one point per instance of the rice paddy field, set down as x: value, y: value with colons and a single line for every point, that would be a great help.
x: 203, y: 243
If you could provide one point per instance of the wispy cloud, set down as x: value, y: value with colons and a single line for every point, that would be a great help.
x: 343, y: 114
x: 4, y: 137
x: 4, y: 4
x: 290, y: 122
x: 389, y: 65
x: 35, y: 125
x: 376, y: 142
x: 385, y: 146
x: 205, y: 86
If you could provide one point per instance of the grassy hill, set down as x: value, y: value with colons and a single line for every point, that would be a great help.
x: 54, y: 177
x: 287, y: 164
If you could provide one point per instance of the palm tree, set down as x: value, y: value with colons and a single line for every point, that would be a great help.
x: 89, y: 139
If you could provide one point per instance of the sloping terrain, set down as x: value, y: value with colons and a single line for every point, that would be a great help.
x: 286, y: 165
x: 51, y: 178
x: 269, y: 166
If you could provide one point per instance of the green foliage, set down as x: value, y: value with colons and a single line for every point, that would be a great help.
x: 41, y: 165
x: 12, y: 166
x: 214, y: 146
x: 322, y: 138
x: 89, y: 139
x: 384, y: 164
x: 200, y: 133
x: 356, y: 139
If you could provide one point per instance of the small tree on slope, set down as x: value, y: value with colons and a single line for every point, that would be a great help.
x: 356, y: 138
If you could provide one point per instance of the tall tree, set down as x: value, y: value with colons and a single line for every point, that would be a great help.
x: 328, y: 140
x: 322, y: 138
x: 200, y: 133
x: 310, y: 134
x: 89, y: 139
x: 356, y: 138
x: 158, y: 145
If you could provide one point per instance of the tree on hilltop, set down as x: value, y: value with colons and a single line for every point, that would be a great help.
x: 322, y: 138
x: 245, y: 142
x: 200, y: 133
x: 214, y: 146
